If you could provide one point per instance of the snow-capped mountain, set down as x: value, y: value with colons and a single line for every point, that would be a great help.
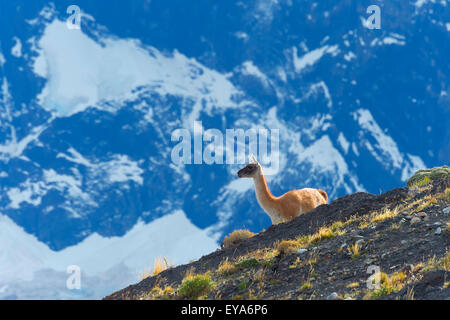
x: 87, y: 117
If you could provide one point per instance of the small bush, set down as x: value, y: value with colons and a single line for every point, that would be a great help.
x: 194, y: 286
x: 243, y: 285
x: 305, y: 286
x: 269, y: 263
x: 237, y: 237
x: 378, y: 293
x: 423, y: 182
x: 337, y: 225
x: 163, y: 294
x: 287, y: 246
x: 438, y: 264
x: 425, y: 176
x: 389, y: 284
x: 355, y: 250
x: 323, y: 234
x: 226, y: 268
x: 247, y: 263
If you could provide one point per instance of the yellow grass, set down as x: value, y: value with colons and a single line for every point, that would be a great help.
x: 438, y: 264
x: 164, y: 294
x: 386, y: 214
x: 160, y: 265
x: 236, y: 237
x: 226, y: 268
x: 389, y: 284
x: 352, y: 285
x: 355, y: 250
x: 145, y: 274
x: 287, y: 246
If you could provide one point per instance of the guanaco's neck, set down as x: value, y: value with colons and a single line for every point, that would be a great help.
x: 263, y: 194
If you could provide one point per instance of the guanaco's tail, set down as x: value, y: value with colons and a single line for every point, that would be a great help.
x: 324, y: 195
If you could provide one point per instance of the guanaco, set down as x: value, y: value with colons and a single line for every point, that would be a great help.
x: 286, y: 207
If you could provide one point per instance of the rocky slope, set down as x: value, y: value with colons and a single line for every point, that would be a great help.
x: 328, y: 253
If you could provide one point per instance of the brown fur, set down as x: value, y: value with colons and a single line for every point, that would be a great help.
x: 288, y: 206
x: 324, y: 195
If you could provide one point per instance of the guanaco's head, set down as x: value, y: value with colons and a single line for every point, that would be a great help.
x: 251, y: 169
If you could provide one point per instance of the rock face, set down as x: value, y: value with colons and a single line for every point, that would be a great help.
x: 411, y: 259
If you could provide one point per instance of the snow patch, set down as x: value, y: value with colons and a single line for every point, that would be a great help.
x: 391, y: 40
x: 16, y: 50
x: 420, y: 3
x: 119, y: 169
x: 27, y: 192
x: 248, y: 68
x: 343, y: 142
x: 2, y: 59
x: 349, y: 56
x: 384, y: 143
x: 81, y: 72
x: 321, y: 85
x: 383, y: 147
x: 310, y: 58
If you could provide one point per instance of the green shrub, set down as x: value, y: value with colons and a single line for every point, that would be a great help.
x: 425, y: 176
x: 247, y: 263
x: 194, y: 286
x: 243, y: 285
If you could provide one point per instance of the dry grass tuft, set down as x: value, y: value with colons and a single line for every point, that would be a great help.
x: 287, y: 246
x: 226, y: 268
x: 323, y: 233
x: 160, y: 265
x: 306, y: 286
x: 434, y: 264
x: 162, y: 294
x: 355, y: 250
x: 145, y: 274
x: 236, y: 237
x: 386, y: 214
x: 409, y: 294
x: 389, y: 284
x: 352, y: 285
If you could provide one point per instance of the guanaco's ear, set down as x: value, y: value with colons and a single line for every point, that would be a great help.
x: 253, y: 159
